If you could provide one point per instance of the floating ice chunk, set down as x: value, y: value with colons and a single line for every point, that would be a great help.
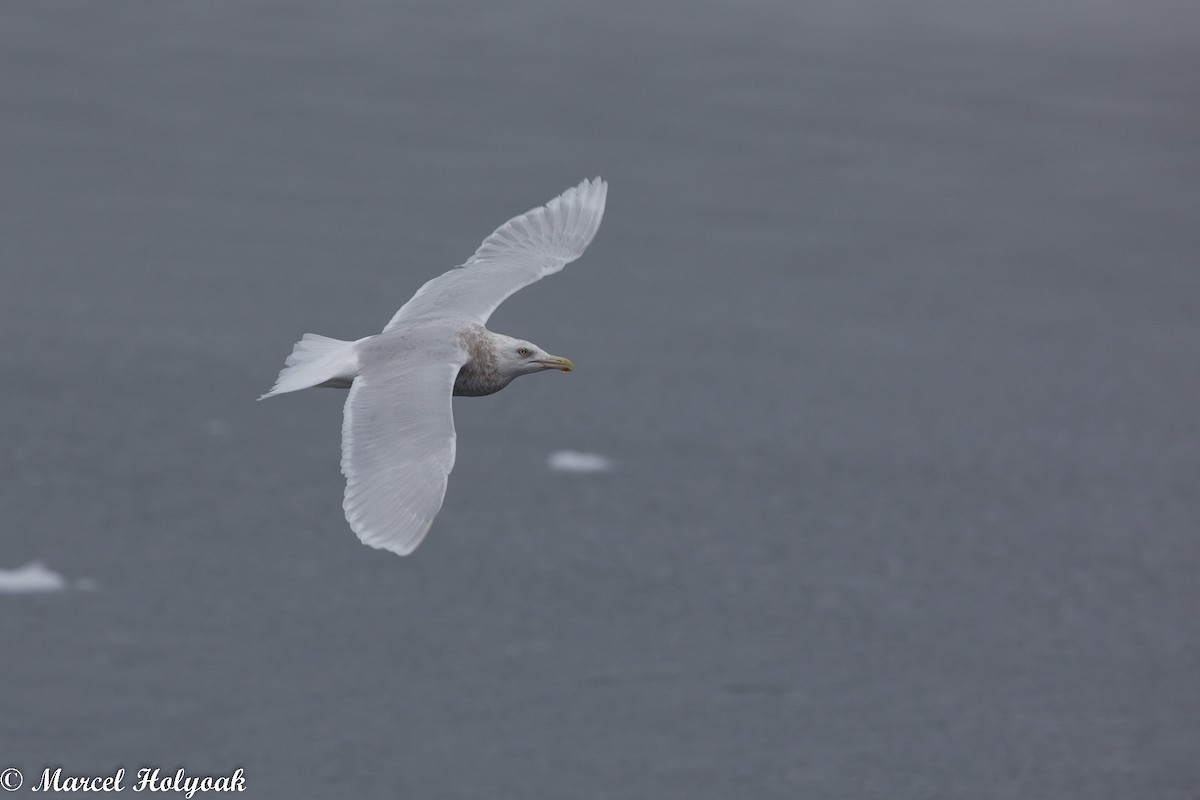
x: 33, y: 577
x: 574, y: 461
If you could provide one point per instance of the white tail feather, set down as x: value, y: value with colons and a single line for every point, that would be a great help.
x: 316, y: 360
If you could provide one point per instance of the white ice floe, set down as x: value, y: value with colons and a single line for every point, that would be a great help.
x: 574, y: 461
x: 33, y: 577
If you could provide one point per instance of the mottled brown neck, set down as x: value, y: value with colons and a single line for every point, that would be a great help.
x: 479, y: 376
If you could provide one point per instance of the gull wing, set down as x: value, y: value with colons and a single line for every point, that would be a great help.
x: 521, y: 251
x: 398, y: 436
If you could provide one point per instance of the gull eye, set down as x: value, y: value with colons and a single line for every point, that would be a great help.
x: 524, y: 352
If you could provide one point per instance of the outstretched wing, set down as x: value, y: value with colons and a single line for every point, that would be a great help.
x: 521, y: 251
x: 398, y: 438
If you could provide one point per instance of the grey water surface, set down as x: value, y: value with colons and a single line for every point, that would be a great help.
x: 891, y: 332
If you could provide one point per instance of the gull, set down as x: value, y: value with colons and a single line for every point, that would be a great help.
x: 398, y: 425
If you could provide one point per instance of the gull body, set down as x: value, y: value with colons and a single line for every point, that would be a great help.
x: 398, y: 440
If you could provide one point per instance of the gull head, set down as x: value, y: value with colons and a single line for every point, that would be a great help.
x: 518, y: 357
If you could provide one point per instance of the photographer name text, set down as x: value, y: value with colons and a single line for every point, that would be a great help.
x: 148, y: 779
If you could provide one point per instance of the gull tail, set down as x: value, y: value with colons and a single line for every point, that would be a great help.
x: 317, y: 361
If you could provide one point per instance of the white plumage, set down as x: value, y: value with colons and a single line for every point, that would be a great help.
x: 398, y: 436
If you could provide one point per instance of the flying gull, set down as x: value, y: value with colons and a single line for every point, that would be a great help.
x: 398, y: 426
